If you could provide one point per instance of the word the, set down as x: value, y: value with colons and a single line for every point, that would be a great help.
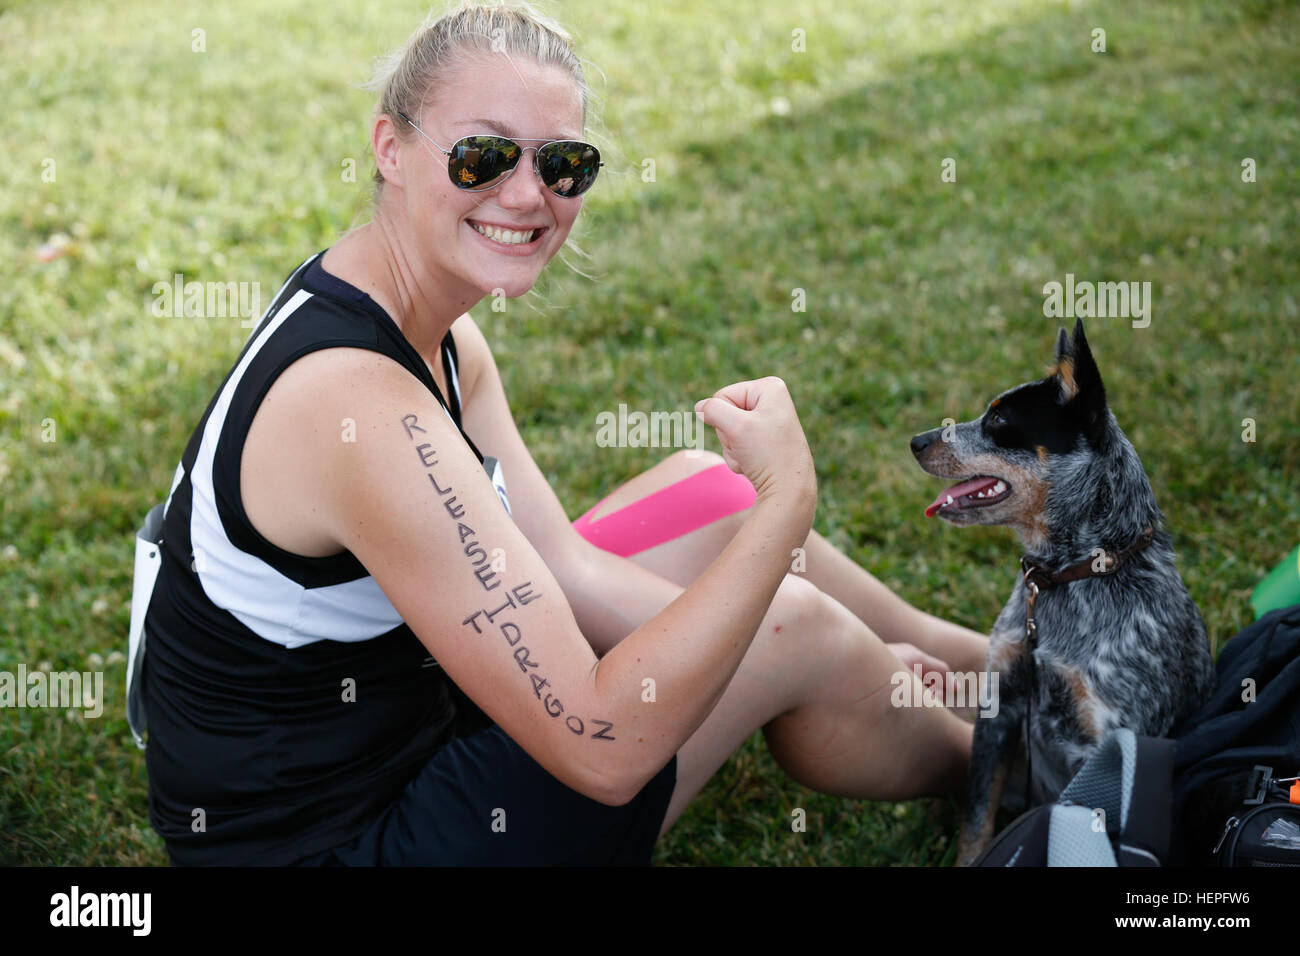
x: 514, y: 636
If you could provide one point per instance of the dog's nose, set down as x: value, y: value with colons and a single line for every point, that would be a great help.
x: 924, y: 440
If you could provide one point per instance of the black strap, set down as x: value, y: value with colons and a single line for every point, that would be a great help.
x: 449, y: 364
x: 1146, y: 831
x: 450, y: 369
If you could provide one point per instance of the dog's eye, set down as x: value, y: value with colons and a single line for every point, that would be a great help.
x: 994, y: 419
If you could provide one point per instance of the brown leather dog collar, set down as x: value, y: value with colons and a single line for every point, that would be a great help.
x: 1041, y: 578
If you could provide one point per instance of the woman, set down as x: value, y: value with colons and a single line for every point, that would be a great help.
x: 364, y: 649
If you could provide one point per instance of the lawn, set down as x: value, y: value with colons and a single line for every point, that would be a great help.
x: 794, y: 147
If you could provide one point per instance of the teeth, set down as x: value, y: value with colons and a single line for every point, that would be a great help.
x: 999, y: 488
x: 504, y: 236
x: 949, y: 501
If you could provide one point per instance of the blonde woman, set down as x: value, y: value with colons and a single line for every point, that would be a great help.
x: 398, y: 649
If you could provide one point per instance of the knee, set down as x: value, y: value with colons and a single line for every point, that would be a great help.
x: 805, y: 632
x: 798, y: 606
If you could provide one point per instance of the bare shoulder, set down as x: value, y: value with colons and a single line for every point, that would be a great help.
x: 315, y: 409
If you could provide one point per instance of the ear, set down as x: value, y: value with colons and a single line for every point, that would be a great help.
x: 384, y: 143
x: 1063, y: 369
x: 1062, y: 346
x: 1089, y: 400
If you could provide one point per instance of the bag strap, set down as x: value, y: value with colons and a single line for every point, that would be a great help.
x: 1073, y: 840
x: 1145, y: 840
x: 1128, y: 778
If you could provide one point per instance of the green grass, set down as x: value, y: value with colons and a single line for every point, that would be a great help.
x: 775, y: 170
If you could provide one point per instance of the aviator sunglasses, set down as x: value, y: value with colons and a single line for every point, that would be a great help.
x: 567, y: 168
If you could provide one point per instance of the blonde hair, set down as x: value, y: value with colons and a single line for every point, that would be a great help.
x: 405, y: 78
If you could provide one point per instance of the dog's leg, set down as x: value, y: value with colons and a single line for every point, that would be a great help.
x: 993, y: 750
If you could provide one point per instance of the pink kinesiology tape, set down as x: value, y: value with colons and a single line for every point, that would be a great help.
x: 669, y: 513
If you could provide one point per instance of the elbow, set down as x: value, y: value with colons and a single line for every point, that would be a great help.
x: 610, y: 789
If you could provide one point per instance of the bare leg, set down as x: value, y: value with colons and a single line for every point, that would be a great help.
x: 821, y: 685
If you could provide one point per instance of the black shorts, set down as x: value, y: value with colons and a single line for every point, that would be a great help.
x: 482, y: 801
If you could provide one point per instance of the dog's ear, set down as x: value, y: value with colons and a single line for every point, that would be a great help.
x: 1063, y: 369
x: 1062, y: 346
x: 1088, y: 400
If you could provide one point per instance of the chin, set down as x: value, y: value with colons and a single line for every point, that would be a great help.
x: 511, y: 287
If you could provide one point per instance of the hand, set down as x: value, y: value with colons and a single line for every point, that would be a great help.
x: 935, y: 673
x: 762, y: 438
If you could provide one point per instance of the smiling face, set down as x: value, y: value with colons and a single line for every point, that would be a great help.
x: 498, y: 238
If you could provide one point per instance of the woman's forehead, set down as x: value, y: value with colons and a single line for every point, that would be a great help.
x: 509, y: 96
x: 486, y: 124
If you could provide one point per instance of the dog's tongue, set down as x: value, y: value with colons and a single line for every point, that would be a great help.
x: 970, y: 487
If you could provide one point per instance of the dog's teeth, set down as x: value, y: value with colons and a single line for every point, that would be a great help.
x: 999, y: 488
x: 949, y: 501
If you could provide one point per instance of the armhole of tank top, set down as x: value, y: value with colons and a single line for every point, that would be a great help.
x: 343, y: 560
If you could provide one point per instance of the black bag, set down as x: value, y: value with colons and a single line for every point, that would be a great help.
x: 1265, y: 831
x: 1226, y: 808
x: 1114, y: 812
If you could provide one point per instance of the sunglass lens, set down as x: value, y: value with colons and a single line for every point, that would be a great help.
x: 568, y: 169
x: 478, y: 162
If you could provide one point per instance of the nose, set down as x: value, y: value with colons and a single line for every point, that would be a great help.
x: 924, y: 440
x: 523, y: 188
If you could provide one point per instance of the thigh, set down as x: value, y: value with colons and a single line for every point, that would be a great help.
x: 482, y: 801
x: 674, y: 518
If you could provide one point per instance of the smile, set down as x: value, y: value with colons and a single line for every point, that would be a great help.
x: 508, y: 237
x: 977, y: 492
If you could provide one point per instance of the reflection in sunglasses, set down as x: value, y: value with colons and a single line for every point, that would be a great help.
x: 479, y: 162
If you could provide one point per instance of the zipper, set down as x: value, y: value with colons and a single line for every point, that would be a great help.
x: 1232, y: 824
x: 1237, y: 824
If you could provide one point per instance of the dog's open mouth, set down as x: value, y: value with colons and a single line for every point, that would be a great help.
x: 978, y: 492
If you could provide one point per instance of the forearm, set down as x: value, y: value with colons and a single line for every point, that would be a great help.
x: 692, y: 648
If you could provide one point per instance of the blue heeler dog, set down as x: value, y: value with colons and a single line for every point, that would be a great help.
x: 1100, y: 631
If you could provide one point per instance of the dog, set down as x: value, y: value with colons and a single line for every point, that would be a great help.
x: 1099, y: 631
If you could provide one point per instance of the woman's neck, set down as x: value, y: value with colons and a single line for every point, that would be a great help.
x: 376, y: 258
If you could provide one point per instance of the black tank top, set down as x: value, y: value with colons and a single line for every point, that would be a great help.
x: 287, y: 702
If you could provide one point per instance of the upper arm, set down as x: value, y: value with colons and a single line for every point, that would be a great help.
x: 411, y: 501
x: 487, y: 418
